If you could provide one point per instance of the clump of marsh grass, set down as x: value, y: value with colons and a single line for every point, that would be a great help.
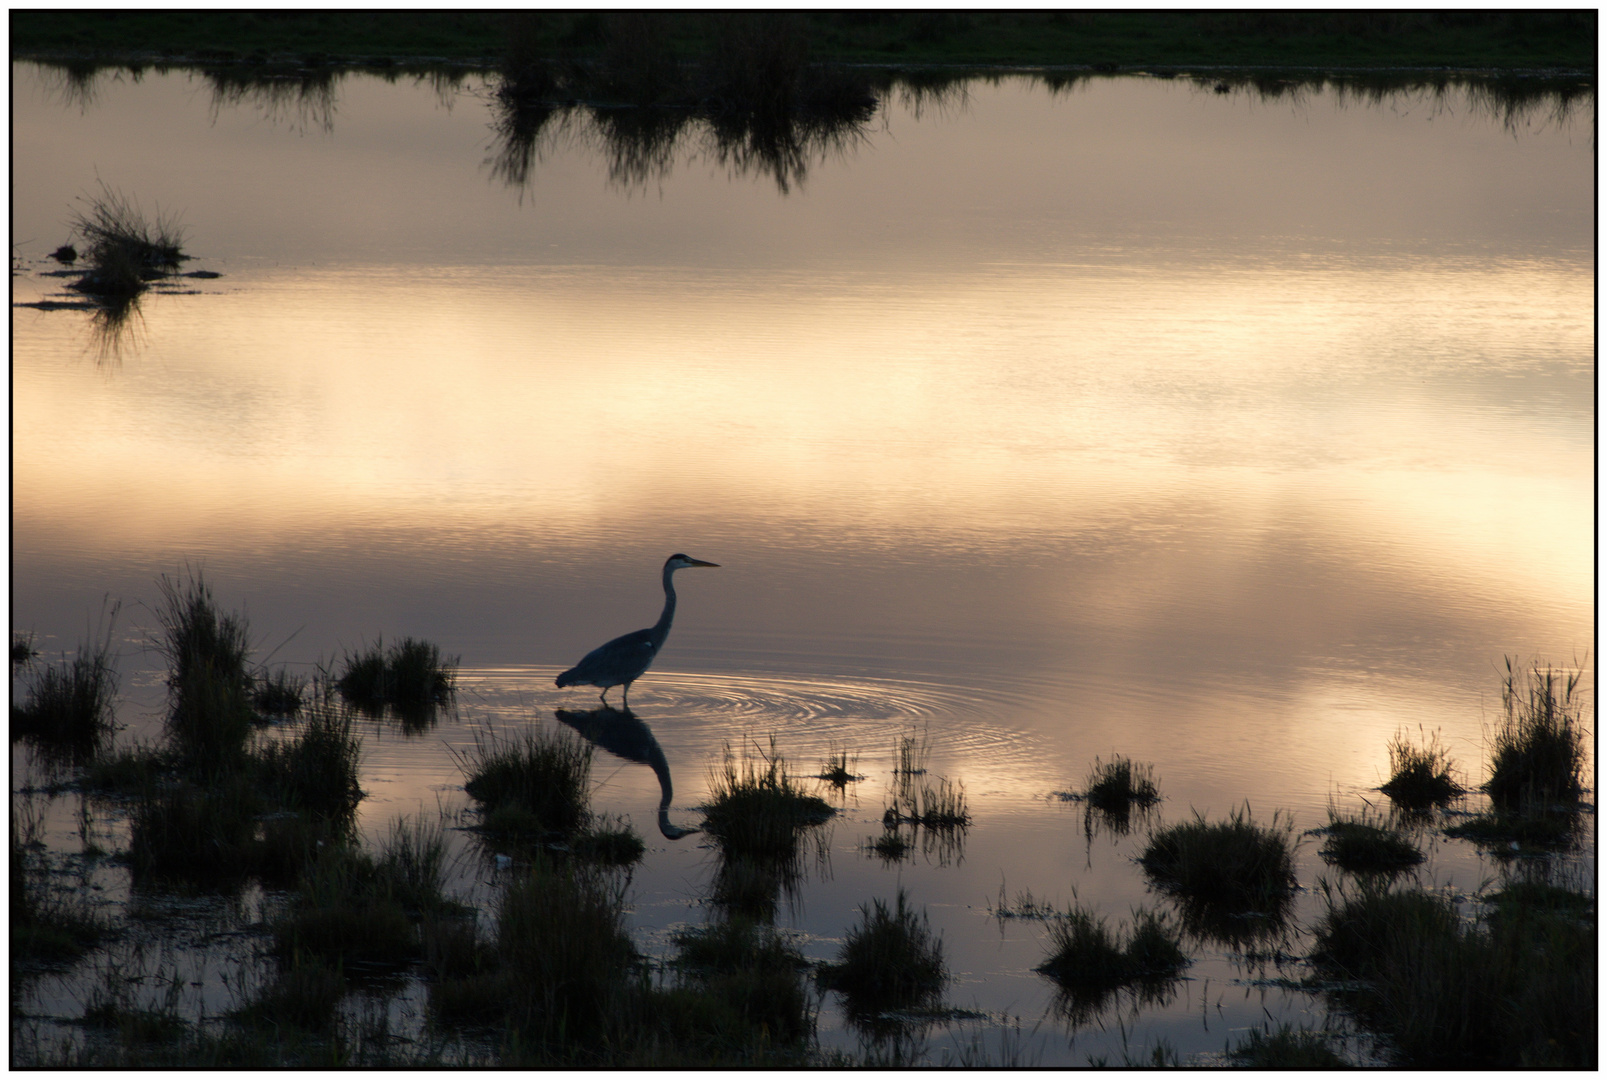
x: 759, y: 810
x: 124, y: 248
x: 930, y: 806
x: 890, y: 847
x: 564, y: 953
x: 187, y: 832
x: 1091, y: 966
x: 1235, y: 864
x: 22, y: 650
x: 1510, y: 835
x: 752, y: 973
x: 278, y: 693
x: 1419, y: 776
x: 1363, y: 845
x: 412, y: 677
x: 1086, y: 954
x: 535, y: 784
x: 353, y: 906
x: 1118, y: 785
x: 1511, y: 992
x: 890, y: 960
x: 315, y: 770
x: 1538, y: 753
x: 209, y: 683
x: 69, y: 705
x: 1026, y: 906
x: 304, y: 994
x: 1287, y: 1048
x: 838, y: 769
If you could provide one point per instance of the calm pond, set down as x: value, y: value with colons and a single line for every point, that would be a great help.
x: 1230, y: 432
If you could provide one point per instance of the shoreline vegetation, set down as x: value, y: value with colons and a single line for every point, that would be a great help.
x: 1531, y: 42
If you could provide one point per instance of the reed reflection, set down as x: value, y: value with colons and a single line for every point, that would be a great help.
x: 627, y: 736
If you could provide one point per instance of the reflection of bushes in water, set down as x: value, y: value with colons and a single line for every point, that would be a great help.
x: 1514, y: 103
x: 302, y: 98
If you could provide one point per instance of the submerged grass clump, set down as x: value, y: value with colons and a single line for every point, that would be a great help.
x: 1234, y: 864
x: 1538, y: 753
x: 838, y: 769
x: 1419, y: 776
x: 759, y: 811
x: 889, y: 960
x: 1516, y: 991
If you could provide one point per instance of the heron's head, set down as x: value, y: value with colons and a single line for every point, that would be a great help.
x: 680, y: 562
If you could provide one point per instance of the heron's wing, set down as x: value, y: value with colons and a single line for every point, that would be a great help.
x: 623, y: 658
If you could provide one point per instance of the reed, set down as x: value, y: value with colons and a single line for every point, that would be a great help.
x: 412, y: 677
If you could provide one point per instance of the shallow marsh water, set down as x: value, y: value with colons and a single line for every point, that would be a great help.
x: 1228, y: 433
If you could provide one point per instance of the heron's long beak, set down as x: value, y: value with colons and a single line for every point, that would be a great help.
x: 699, y: 562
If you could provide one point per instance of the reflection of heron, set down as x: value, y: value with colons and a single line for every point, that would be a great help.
x: 623, y: 660
x: 623, y: 734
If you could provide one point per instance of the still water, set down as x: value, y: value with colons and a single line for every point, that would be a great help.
x: 1230, y: 432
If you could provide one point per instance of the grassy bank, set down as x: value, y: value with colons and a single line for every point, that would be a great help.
x: 1351, y: 39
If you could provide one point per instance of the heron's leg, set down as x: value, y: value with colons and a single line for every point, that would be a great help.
x: 604, y: 696
x: 625, y: 696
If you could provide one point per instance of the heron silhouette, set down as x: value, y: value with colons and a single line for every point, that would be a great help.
x: 621, y: 662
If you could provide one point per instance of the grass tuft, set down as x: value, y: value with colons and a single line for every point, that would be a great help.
x: 1538, y: 756
x: 1119, y: 784
x: 1361, y: 845
x: 759, y: 811
x: 540, y: 781
x: 412, y: 677
x: 278, y: 693
x: 1419, y: 776
x: 1234, y: 864
x: 1087, y: 956
x: 69, y: 706
x: 889, y: 960
x: 209, y: 684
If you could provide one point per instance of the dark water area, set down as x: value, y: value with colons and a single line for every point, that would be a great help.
x: 1230, y: 426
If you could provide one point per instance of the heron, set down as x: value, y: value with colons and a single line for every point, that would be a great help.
x: 622, y: 661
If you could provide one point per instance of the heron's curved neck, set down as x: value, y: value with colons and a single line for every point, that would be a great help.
x: 661, y: 629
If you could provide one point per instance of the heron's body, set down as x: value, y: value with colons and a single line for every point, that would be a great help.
x: 621, y: 662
